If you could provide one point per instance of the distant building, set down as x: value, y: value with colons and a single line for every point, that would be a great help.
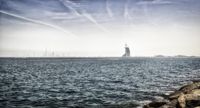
x: 127, y: 51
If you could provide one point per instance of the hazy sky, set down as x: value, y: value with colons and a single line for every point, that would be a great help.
x: 99, y: 27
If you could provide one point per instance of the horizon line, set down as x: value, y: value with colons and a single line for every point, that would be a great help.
x: 155, y: 56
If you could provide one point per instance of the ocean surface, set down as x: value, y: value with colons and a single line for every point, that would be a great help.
x: 91, y: 82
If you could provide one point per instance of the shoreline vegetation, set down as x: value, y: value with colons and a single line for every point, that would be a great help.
x: 188, y: 96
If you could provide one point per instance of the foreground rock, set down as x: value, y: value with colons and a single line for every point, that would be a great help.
x: 187, y: 96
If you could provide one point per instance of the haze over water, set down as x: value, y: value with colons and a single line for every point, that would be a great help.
x: 96, y: 28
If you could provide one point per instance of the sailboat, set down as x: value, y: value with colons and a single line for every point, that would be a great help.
x: 127, y: 51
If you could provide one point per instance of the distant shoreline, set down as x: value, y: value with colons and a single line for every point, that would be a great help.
x: 95, y: 57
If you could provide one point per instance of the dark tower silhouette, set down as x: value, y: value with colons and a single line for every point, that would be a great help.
x: 127, y: 51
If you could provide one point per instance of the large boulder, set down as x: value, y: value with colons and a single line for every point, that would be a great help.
x: 187, y: 96
x: 185, y: 89
x: 188, y: 88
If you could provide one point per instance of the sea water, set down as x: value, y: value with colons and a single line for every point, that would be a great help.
x: 91, y: 82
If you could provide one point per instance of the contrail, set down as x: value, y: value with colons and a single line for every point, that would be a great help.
x: 82, y: 13
x: 88, y: 16
x: 64, y: 2
x: 108, y: 9
x: 127, y: 16
x: 126, y: 13
x: 38, y: 22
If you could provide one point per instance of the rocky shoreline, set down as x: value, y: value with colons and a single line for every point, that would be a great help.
x: 187, y: 96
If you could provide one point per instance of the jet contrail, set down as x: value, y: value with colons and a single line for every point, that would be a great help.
x: 64, y: 2
x: 127, y: 16
x: 82, y: 13
x: 109, y: 11
x: 126, y: 13
x: 89, y: 17
x: 38, y: 22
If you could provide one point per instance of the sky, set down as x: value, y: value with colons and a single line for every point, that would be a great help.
x: 99, y: 28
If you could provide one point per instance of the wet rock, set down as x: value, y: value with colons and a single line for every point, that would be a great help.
x: 155, y: 104
x: 185, y: 89
x: 181, y: 101
x: 193, y: 104
x: 195, y: 81
x: 187, y: 96
x: 171, y: 104
x: 174, y: 95
x: 190, y: 87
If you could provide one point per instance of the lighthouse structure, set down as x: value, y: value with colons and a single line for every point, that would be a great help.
x: 127, y: 51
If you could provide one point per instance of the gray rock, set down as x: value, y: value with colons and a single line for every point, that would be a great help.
x: 185, y: 89
x: 187, y: 96
x: 155, y: 104
x: 190, y: 87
